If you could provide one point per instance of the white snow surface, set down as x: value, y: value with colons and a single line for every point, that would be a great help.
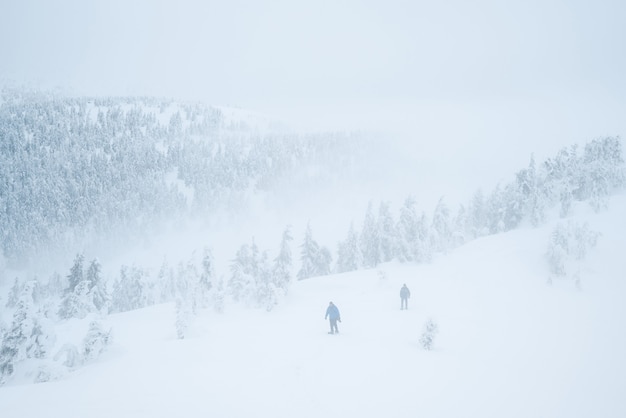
x: 509, y: 345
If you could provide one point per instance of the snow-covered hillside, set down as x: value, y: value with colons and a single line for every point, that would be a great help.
x: 509, y: 344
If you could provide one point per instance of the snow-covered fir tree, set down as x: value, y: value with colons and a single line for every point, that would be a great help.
x: 53, y: 288
x: 29, y: 335
x: 3, y: 328
x: 128, y: 290
x: 86, y: 291
x: 562, y: 178
x: 532, y: 194
x: 283, y: 263
x: 349, y: 252
x: 388, y: 237
x: 218, y: 295
x: 14, y: 294
x: 187, y: 285
x: 315, y: 260
x: 495, y: 211
x: 477, y: 219
x: 603, y: 164
x: 370, y: 239
x: 77, y: 273
x: 183, y: 317
x: 267, y: 291
x: 257, y: 282
x: 187, y: 282
x: 513, y: 206
x: 414, y: 242
x: 424, y: 250
x: 97, y: 287
x: 459, y: 232
x: 441, y: 228
x: 309, y: 250
x: 166, y: 280
x: 324, y: 261
x: 242, y: 283
x: 96, y: 341
x: 207, y: 276
x: 78, y: 303
x: 408, y: 234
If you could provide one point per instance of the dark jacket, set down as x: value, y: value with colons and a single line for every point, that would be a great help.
x: 405, y: 292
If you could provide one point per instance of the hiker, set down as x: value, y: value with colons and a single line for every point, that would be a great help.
x: 332, y: 313
x: 405, y: 294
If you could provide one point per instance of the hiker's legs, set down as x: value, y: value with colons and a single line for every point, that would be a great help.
x: 333, y: 326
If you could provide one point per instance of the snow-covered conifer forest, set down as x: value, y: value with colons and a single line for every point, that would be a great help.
x: 89, y: 183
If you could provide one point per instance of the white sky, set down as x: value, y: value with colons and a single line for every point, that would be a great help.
x: 453, y: 76
x: 284, y: 53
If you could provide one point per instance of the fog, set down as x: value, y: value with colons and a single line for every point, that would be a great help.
x: 345, y: 61
x: 460, y: 87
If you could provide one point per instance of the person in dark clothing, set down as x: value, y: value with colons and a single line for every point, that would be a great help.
x: 405, y: 294
x: 332, y: 313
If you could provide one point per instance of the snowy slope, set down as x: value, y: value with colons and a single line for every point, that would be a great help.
x: 509, y: 345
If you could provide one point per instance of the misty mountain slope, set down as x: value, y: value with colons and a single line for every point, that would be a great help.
x: 89, y: 174
x: 133, y: 180
x: 508, y: 345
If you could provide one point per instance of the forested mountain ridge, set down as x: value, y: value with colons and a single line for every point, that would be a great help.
x: 75, y: 171
x: 72, y: 169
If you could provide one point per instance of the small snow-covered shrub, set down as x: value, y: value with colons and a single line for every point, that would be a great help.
x: 217, y: 297
x: 70, y: 355
x: 49, y: 372
x: 569, y: 244
x: 427, y: 338
x: 96, y: 341
x: 43, y: 375
x: 183, y: 317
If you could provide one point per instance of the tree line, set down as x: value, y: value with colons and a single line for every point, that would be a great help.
x: 75, y: 170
